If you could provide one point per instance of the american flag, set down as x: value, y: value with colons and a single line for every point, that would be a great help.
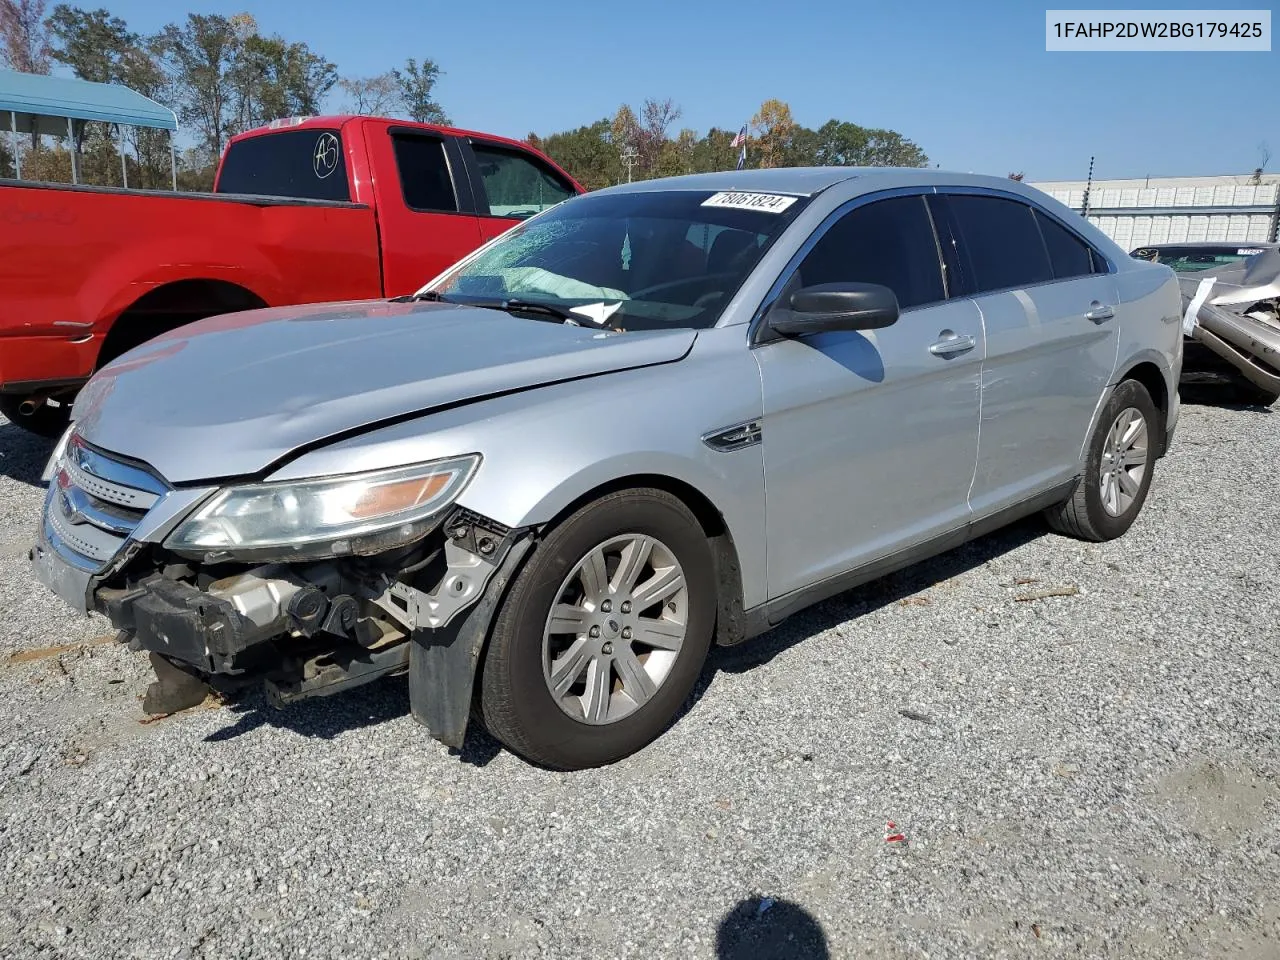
x: 740, y: 141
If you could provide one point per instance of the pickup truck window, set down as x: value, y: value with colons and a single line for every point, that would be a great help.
x: 518, y: 185
x: 303, y: 164
x: 424, y: 174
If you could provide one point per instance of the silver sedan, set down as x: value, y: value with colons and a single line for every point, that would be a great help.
x: 649, y: 419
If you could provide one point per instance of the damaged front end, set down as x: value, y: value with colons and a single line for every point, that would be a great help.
x: 1233, y: 313
x: 307, y: 589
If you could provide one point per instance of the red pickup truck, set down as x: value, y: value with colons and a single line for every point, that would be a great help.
x: 303, y: 211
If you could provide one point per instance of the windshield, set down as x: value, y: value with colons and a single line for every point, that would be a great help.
x: 636, y: 261
x: 1193, y: 259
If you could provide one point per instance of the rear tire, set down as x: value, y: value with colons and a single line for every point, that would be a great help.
x: 536, y: 691
x: 1117, y: 470
x: 45, y: 420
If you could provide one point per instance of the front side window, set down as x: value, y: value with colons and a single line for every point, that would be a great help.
x: 999, y: 243
x: 516, y: 184
x: 889, y: 242
x: 650, y: 260
x: 306, y: 164
x: 424, y: 173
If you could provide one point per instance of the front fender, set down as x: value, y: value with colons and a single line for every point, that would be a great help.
x: 544, y: 449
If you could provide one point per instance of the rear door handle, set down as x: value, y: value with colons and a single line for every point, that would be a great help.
x: 1099, y: 312
x: 951, y: 343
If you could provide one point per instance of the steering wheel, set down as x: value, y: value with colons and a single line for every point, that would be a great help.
x: 667, y: 285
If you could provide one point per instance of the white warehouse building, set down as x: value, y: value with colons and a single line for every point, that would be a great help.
x: 1134, y: 213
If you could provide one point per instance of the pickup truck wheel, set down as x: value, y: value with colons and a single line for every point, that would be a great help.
x: 603, y: 634
x: 46, y: 420
x: 1117, y: 472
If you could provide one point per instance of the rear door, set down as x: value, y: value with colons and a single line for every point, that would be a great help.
x: 1049, y: 312
x: 510, y: 185
x: 425, y: 205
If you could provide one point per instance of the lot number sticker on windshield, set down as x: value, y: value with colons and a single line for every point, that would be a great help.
x: 766, y: 202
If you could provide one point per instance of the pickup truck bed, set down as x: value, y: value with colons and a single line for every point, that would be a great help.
x: 330, y: 208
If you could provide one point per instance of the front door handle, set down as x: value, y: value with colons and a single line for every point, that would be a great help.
x: 1099, y: 312
x: 951, y: 343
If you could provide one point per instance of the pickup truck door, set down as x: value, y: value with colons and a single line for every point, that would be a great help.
x: 509, y: 184
x: 425, y: 205
x: 870, y: 436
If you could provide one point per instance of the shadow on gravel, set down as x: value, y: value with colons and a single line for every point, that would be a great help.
x: 1222, y: 396
x: 764, y: 929
x: 879, y: 593
x: 324, y: 718
x: 22, y: 454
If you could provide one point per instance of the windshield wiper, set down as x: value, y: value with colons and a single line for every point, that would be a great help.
x: 516, y: 305
x: 429, y: 295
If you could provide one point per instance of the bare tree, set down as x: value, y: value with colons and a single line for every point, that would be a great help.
x: 372, y: 96
x: 656, y: 118
x: 24, y: 39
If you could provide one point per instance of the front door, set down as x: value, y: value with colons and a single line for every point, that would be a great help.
x: 870, y: 437
x: 511, y: 186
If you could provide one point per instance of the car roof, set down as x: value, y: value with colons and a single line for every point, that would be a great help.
x: 810, y: 181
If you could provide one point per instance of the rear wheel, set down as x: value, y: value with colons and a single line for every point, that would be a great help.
x: 47, y: 419
x: 603, y: 634
x: 1118, y: 467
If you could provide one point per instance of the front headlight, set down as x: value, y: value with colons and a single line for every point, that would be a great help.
x: 362, y: 513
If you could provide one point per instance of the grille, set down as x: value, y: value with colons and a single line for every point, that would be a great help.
x: 94, y: 503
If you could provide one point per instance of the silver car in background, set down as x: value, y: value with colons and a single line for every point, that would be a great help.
x: 651, y: 418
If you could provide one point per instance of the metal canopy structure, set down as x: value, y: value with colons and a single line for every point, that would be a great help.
x: 51, y: 105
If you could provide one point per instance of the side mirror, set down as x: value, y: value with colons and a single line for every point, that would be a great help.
x: 836, y: 306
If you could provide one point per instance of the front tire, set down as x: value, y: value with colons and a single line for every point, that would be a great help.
x: 603, y: 634
x: 1117, y: 470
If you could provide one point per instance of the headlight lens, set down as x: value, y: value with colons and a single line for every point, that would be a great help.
x: 360, y: 513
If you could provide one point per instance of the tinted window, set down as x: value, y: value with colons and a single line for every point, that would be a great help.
x: 518, y: 185
x: 424, y: 174
x: 889, y: 242
x: 1000, y: 242
x: 304, y: 164
x: 1069, y: 255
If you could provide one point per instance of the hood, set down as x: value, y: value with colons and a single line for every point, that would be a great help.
x: 230, y: 395
x: 1243, y: 282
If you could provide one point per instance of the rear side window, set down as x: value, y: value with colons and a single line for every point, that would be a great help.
x: 518, y: 185
x: 889, y: 242
x: 424, y: 174
x: 1000, y: 242
x: 301, y: 164
x: 1069, y: 255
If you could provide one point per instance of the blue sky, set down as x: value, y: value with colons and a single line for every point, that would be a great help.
x: 972, y: 85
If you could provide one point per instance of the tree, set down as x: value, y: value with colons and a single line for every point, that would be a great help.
x: 589, y: 154
x: 417, y: 81
x: 275, y: 79
x: 715, y: 151
x: 24, y: 40
x: 773, y: 128
x: 201, y: 57
x: 658, y: 115
x: 1016, y: 176
x: 94, y: 44
x: 371, y: 96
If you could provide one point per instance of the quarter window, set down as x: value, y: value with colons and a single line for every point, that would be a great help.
x: 424, y: 174
x: 889, y: 242
x: 518, y: 186
x: 1000, y: 242
x: 1069, y: 255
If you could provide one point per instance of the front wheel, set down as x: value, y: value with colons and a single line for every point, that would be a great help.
x: 1117, y: 470
x: 603, y: 634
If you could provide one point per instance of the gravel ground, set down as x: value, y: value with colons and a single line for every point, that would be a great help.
x: 1095, y: 774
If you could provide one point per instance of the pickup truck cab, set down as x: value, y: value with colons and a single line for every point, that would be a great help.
x: 303, y: 211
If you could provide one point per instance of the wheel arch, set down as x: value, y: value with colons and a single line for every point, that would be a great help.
x: 171, y: 305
